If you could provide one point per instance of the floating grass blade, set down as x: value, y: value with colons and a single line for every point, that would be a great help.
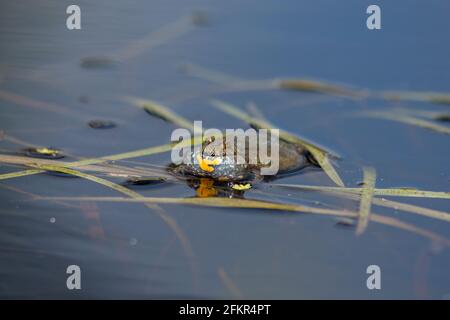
x: 220, y: 202
x: 393, y: 192
x: 366, y: 200
x: 111, y: 170
x: 354, y: 193
x: 256, y: 204
x: 409, y: 120
x: 161, y: 112
x: 433, y: 97
x: 426, y: 212
x: 86, y: 176
x: 85, y: 162
x: 317, y: 86
x: 18, y: 174
x: 283, y: 84
x: 319, y: 154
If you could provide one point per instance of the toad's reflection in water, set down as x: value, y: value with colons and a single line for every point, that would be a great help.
x: 205, y: 188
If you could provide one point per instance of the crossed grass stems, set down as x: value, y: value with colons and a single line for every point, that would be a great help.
x: 367, y: 195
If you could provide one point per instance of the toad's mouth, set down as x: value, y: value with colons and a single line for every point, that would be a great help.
x: 207, y: 164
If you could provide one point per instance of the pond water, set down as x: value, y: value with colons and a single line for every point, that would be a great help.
x: 53, y: 81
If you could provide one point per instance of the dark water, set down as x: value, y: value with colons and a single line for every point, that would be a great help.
x: 125, y: 250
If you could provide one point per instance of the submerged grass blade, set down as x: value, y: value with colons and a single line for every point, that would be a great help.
x: 229, y: 284
x: 160, y: 36
x: 173, y: 225
x: 409, y: 120
x: 366, y: 200
x: 433, y: 97
x: 319, y: 154
x: 212, y: 75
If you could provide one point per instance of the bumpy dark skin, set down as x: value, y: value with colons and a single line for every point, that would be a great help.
x: 212, y: 162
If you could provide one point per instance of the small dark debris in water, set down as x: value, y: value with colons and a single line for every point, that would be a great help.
x: 101, y: 124
x: 360, y: 183
x: 83, y: 99
x: 200, y: 18
x: 97, y: 63
x: 44, y: 153
x: 345, y: 222
x: 143, y: 181
x: 156, y: 115
x: 183, y: 68
x: 443, y: 117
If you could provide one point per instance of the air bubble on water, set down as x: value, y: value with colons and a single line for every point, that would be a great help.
x: 52, y: 220
x: 133, y: 241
